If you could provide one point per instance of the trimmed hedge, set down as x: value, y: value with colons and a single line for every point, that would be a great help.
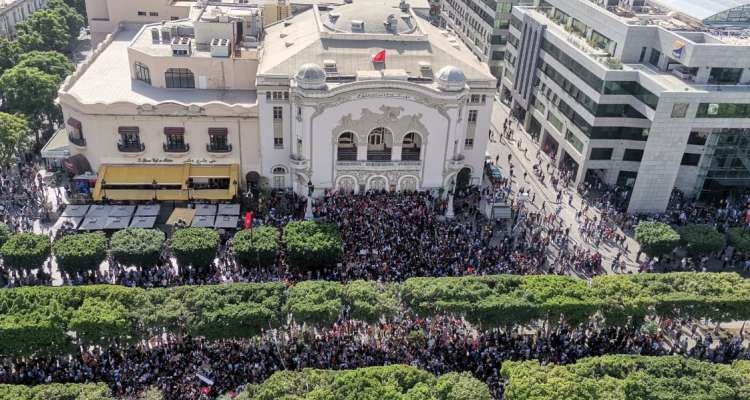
x: 311, y: 245
x: 656, y: 238
x: 395, y: 382
x: 623, y: 377
x: 36, y: 319
x: 195, y: 246
x: 700, y: 240
x: 256, y: 246
x: 137, y: 246
x: 25, y: 251
x: 57, y: 391
x: 321, y: 302
x: 740, y: 239
x: 81, y: 252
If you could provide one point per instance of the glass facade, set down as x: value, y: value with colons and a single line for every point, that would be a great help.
x: 723, y: 110
x: 725, y: 166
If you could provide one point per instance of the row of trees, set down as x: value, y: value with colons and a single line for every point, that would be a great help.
x: 395, y: 382
x: 309, y: 245
x: 624, y: 377
x: 40, y: 319
x: 32, y: 67
x: 657, y: 239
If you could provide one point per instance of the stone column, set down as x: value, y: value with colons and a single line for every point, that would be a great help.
x: 396, y: 152
x: 362, y: 152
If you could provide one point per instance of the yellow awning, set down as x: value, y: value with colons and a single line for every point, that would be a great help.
x: 145, y: 175
x: 171, y: 174
x: 128, y: 194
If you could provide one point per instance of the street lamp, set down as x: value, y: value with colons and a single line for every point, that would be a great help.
x: 449, y: 211
x: 310, y: 190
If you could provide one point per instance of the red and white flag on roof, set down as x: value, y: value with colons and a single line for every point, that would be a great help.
x: 379, y: 57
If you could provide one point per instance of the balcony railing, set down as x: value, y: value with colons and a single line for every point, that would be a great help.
x: 78, y: 141
x: 218, y: 148
x: 131, y: 147
x: 176, y: 147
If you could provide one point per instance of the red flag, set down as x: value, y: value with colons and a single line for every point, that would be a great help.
x: 379, y: 58
x: 205, y: 390
x: 249, y: 220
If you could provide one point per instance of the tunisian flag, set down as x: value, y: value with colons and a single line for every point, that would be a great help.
x: 379, y: 57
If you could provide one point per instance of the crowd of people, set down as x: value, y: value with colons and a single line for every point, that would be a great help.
x: 23, y: 197
x: 193, y: 368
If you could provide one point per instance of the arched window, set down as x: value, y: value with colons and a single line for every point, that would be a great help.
x: 179, y: 78
x: 347, y: 149
x: 412, y: 147
x: 378, y: 142
x: 279, y: 177
x: 142, y: 73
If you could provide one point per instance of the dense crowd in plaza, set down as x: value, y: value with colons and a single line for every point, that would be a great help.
x: 437, y: 345
x: 23, y: 196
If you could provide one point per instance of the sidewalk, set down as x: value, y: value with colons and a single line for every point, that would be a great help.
x: 545, y: 192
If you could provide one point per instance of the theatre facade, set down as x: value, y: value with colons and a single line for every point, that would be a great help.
x: 346, y: 97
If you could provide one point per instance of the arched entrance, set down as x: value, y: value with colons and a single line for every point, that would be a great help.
x: 377, y: 183
x: 346, y: 185
x: 408, y: 184
x: 463, y: 178
x: 379, y: 144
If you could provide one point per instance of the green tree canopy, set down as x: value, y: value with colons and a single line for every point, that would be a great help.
x: 701, y: 240
x: 73, y: 19
x: 31, y: 92
x: 14, y: 136
x: 256, y: 246
x: 656, y: 238
x: 80, y: 252
x: 195, y: 246
x: 49, y: 62
x: 25, y: 251
x: 57, y: 391
x: 624, y: 377
x: 312, y: 245
x: 137, y: 247
x: 393, y: 382
x: 9, y: 53
x: 44, y: 30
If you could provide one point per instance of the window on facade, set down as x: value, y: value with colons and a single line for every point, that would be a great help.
x: 279, y: 177
x: 142, y: 73
x: 690, y: 159
x: 698, y: 137
x: 601, y: 153
x: 475, y: 99
x: 130, y: 140
x: 218, y: 139
x: 679, y: 110
x: 632, y: 155
x: 179, y: 78
x: 142, y: 13
x: 473, y: 116
x: 725, y: 76
x: 75, y: 129
x: 153, y: 14
x: 175, y: 136
x: 278, y: 113
x: 278, y: 139
x: 653, y: 59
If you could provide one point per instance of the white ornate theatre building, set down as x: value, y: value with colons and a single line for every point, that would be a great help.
x: 199, y: 108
